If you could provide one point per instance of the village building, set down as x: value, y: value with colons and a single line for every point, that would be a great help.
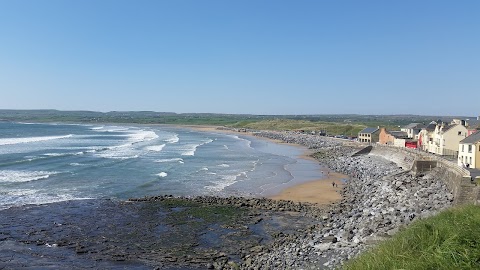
x: 469, y: 151
x: 369, y: 135
x: 473, y: 125
x: 395, y: 138
x: 413, y: 130
x: 444, y: 140
x: 425, y: 136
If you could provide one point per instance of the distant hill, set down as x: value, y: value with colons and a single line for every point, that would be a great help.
x: 151, y: 117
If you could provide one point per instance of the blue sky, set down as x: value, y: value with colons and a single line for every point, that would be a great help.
x: 259, y: 57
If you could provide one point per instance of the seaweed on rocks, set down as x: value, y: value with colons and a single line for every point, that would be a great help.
x: 163, y: 232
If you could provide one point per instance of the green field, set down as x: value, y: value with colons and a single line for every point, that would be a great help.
x: 449, y: 240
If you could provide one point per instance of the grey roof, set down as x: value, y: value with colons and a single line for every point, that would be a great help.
x: 369, y: 130
x: 473, y: 123
x: 474, y: 138
x: 447, y: 127
x: 431, y: 127
x: 414, y: 126
x: 398, y: 134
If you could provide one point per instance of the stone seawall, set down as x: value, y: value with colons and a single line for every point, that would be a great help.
x: 455, y: 177
x: 381, y: 195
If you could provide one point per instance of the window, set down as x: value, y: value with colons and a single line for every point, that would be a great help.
x: 470, y: 160
x: 469, y: 148
x: 459, y: 133
x: 463, y: 148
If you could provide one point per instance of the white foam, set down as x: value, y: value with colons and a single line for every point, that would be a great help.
x: 19, y: 197
x: 97, y: 128
x: 204, y: 169
x: 76, y: 164
x: 249, y: 143
x: 169, y: 160
x: 174, y: 139
x: 114, y: 129
x: 55, y: 154
x: 227, y: 180
x: 162, y: 174
x: 10, y: 141
x: 116, y: 155
x: 192, y: 148
x: 190, y: 152
x: 23, y: 176
x: 128, y: 150
x: 142, y: 136
x: 155, y: 148
x: 224, y: 165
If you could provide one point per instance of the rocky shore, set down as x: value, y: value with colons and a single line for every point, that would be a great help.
x: 162, y: 232
x: 167, y: 232
x: 379, y: 198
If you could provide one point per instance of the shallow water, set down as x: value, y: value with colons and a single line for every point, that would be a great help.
x: 43, y: 163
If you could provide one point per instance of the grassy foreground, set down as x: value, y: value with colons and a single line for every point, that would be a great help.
x: 449, y: 240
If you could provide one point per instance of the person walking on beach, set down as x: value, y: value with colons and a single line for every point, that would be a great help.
x: 333, y: 184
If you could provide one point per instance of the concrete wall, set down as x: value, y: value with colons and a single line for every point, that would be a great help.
x: 420, y: 166
x: 399, y: 142
x: 454, y: 177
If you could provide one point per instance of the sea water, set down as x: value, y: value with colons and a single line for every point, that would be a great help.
x: 43, y: 163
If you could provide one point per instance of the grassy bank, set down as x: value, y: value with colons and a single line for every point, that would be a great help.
x: 449, y: 240
x: 290, y: 124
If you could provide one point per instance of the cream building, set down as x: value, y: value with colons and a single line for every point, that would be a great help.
x: 445, y: 139
x: 413, y: 130
x: 426, y: 135
x: 369, y: 135
x: 469, y: 151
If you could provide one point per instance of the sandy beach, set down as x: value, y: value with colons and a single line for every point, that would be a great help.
x: 317, y: 191
x: 320, y: 191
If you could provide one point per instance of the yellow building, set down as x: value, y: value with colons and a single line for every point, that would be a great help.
x: 469, y: 151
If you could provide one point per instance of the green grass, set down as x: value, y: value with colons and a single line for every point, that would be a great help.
x: 449, y: 240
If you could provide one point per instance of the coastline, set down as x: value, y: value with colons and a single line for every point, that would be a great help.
x: 379, y: 198
x: 319, y: 191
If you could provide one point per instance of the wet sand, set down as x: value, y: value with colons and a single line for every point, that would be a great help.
x: 318, y: 191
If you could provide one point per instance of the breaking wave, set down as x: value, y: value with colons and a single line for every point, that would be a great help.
x: 10, y: 141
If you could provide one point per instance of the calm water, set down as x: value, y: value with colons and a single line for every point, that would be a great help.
x: 41, y: 163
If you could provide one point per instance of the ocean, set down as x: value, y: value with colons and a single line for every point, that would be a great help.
x: 44, y: 163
